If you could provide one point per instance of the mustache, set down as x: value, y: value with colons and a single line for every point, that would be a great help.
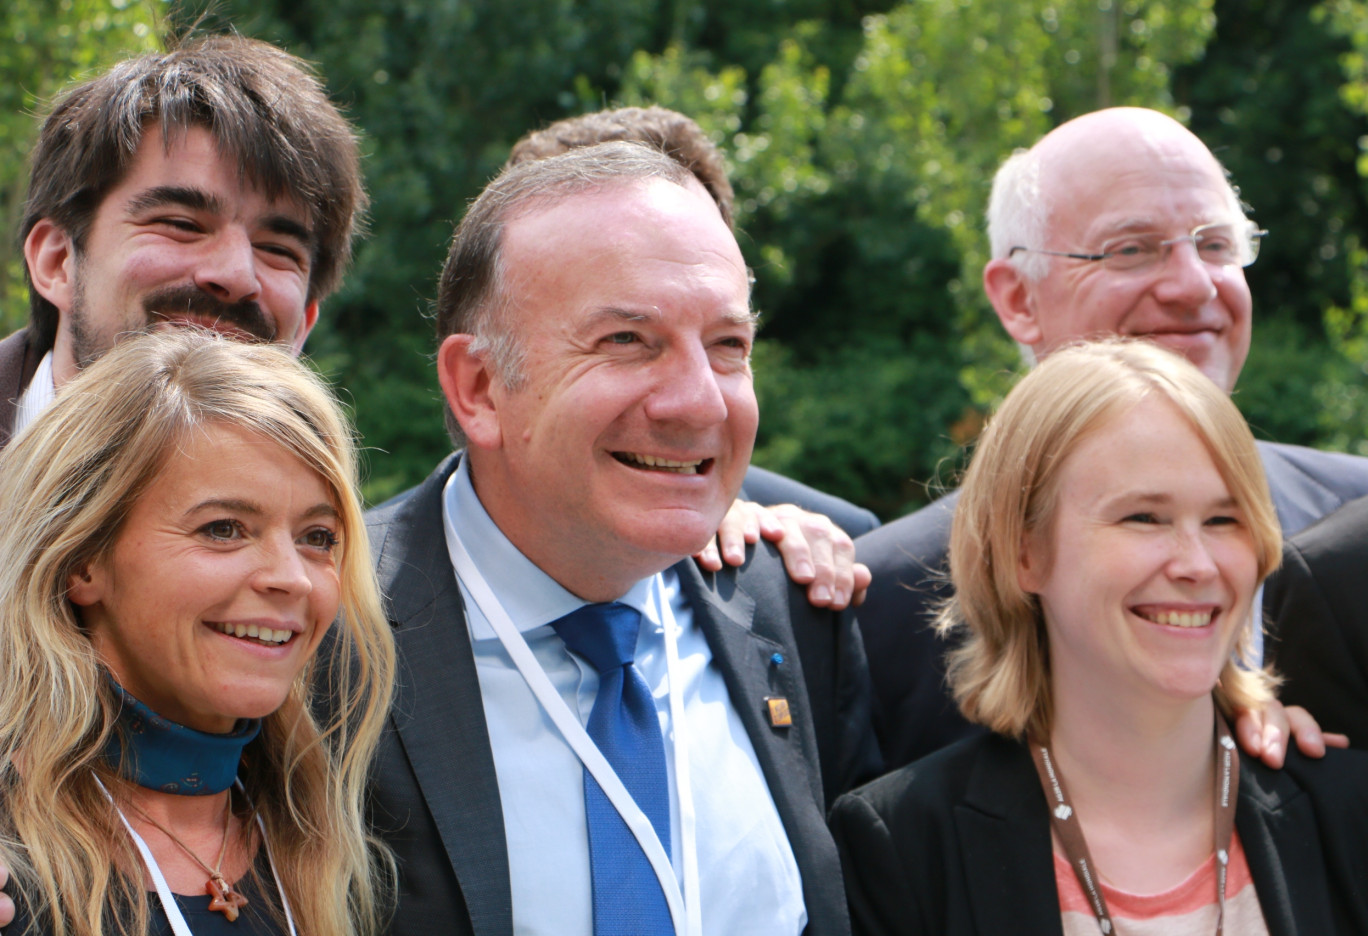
x: 189, y: 301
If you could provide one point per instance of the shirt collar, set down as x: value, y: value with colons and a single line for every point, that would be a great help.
x: 37, y: 396
x: 530, y: 596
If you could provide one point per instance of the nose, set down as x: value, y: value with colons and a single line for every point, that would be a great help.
x: 1192, y: 559
x: 227, y: 270
x: 1186, y: 282
x: 687, y: 389
x: 282, y: 569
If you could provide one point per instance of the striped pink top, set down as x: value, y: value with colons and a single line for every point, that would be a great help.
x: 1186, y: 910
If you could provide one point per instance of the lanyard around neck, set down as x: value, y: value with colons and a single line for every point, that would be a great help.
x: 685, y: 916
x: 1064, y: 821
x: 168, y: 901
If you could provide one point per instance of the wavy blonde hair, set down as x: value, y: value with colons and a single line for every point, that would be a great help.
x: 66, y: 485
x: 999, y: 671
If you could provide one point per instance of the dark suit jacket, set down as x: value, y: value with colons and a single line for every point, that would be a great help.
x: 959, y: 844
x: 913, y: 714
x: 1317, y: 605
x: 18, y: 361
x: 435, y: 797
x: 766, y: 487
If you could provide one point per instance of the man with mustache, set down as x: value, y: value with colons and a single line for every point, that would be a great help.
x: 215, y: 185
x: 1117, y: 222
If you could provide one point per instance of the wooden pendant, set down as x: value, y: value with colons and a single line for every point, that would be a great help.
x: 224, y: 899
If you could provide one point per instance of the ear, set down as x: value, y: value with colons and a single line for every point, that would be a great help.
x: 86, y: 585
x: 1031, y: 562
x: 1010, y: 294
x: 310, y: 320
x: 51, y: 259
x: 467, y: 383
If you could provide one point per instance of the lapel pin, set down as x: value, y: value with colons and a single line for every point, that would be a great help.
x: 779, y: 714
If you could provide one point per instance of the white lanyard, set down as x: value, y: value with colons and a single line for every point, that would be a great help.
x: 686, y: 921
x: 168, y: 900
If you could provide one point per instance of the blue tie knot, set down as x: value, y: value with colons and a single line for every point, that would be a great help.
x: 604, y: 634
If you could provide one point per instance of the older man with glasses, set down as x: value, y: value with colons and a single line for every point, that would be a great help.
x: 1117, y: 222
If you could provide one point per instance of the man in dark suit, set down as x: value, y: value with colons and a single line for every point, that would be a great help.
x: 1096, y: 230
x: 595, y: 330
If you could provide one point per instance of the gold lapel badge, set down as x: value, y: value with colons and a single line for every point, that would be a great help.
x: 779, y: 714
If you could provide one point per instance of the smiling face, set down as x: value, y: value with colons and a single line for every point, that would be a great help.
x: 183, y: 238
x: 1129, y: 171
x: 220, y: 584
x: 1147, y: 570
x: 624, y: 446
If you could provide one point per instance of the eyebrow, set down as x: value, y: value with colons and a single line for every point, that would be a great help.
x: 1160, y: 498
x: 251, y: 508
x: 200, y: 200
x: 749, y: 317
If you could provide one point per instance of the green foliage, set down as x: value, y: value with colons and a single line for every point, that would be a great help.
x: 47, y: 45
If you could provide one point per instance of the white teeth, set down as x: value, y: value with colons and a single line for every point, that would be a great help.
x: 1186, y: 619
x: 662, y: 464
x: 247, y: 631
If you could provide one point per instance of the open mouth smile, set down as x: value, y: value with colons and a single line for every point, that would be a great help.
x: 1184, y: 619
x: 265, y: 636
x: 652, y: 463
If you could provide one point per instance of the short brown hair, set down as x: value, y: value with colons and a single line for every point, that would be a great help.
x: 674, y: 134
x: 1000, y: 672
x: 266, y: 110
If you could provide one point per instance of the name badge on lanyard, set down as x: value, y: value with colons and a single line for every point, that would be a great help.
x: 684, y: 906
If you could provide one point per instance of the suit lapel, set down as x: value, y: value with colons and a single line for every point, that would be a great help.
x: 1004, y: 831
x: 747, y: 661
x: 438, y: 712
x: 755, y: 666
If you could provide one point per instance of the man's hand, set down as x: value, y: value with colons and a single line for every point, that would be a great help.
x: 816, y: 552
x: 1263, y: 733
x: 6, y: 905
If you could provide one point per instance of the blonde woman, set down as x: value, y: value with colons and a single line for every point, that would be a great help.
x: 1113, y: 527
x: 180, y: 531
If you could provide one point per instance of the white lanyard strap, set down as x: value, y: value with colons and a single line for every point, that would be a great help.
x: 688, y: 835
x: 168, y: 901
x: 568, y: 724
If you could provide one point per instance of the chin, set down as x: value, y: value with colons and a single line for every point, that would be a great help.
x: 679, y: 534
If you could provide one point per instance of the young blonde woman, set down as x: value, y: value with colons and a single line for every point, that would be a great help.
x: 1113, y: 527
x: 180, y: 532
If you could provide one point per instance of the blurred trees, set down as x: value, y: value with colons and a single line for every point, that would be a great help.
x: 862, y: 135
x: 43, y: 46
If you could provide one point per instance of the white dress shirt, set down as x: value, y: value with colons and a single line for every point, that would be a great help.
x: 36, y: 396
x: 749, y: 881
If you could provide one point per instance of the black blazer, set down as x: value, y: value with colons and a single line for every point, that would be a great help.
x: 435, y: 795
x: 18, y: 361
x: 958, y: 844
x: 1317, y: 606
x: 913, y: 714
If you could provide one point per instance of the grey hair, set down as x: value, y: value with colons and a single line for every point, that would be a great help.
x: 1019, y: 211
x: 471, y: 298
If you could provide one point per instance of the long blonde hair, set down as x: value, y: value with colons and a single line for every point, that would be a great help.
x: 999, y: 671
x: 66, y: 485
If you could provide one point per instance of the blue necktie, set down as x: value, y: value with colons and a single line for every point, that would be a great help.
x: 628, y: 900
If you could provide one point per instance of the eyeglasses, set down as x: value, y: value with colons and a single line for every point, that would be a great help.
x: 1216, y: 244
